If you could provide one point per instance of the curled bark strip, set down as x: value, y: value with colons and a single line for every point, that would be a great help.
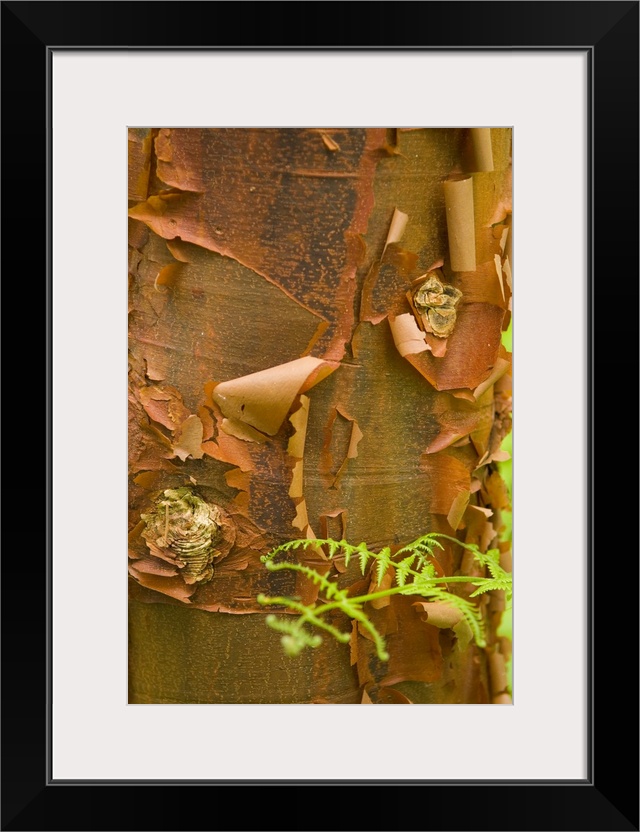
x: 330, y: 143
x: 263, y: 399
x: 207, y: 423
x: 354, y: 436
x: 327, y: 529
x: 407, y: 335
x: 397, y: 226
x: 439, y: 613
x: 301, y: 520
x: 354, y: 440
x: 502, y: 366
x: 295, y: 446
x: 458, y: 196
x: 482, y: 150
x: 387, y: 278
x: 458, y: 508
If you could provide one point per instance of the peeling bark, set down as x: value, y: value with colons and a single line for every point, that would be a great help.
x: 280, y: 370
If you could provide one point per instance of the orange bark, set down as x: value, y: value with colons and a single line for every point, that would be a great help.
x: 249, y: 250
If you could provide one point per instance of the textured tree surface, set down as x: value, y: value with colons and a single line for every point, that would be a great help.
x: 251, y: 249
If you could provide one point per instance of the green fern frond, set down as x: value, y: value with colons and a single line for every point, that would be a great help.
x: 423, y: 545
x: 403, y: 569
x: 415, y: 574
x: 364, y: 554
x: 284, y: 547
x: 490, y: 559
x: 334, y: 546
x: 427, y: 570
x: 383, y: 562
x: 497, y: 572
x: 488, y: 585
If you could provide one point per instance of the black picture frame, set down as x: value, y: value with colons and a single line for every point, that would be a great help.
x: 608, y: 798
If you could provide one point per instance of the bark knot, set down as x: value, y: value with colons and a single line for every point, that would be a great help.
x: 436, y: 304
x: 188, y: 531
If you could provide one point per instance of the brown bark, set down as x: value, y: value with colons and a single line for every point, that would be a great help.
x: 249, y: 250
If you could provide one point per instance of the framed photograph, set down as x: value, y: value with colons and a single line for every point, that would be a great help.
x: 554, y: 87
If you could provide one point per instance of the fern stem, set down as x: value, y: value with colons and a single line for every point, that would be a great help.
x: 281, y: 602
x: 469, y: 546
x: 398, y: 590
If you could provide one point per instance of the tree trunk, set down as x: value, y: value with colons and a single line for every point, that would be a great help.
x: 282, y: 382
